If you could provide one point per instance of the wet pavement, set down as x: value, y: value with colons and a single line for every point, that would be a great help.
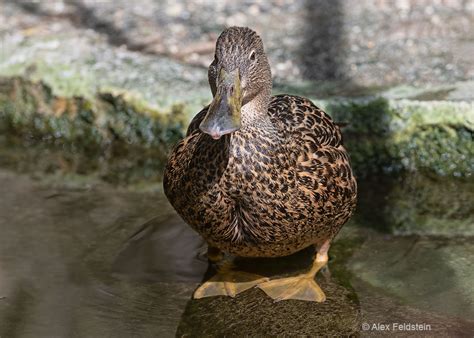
x: 83, y: 258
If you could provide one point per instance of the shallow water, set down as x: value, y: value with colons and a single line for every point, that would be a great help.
x: 79, y: 257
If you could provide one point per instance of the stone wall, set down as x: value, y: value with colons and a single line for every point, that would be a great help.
x: 91, y: 74
x: 368, y: 42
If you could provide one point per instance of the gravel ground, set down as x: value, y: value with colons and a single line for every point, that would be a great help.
x: 367, y: 43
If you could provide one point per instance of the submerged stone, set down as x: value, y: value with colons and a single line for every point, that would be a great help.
x: 254, y: 314
x: 432, y: 274
x: 417, y: 204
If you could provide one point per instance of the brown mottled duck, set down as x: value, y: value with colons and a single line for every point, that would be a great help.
x: 259, y: 175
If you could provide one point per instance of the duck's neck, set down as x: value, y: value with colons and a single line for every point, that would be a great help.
x: 255, y: 112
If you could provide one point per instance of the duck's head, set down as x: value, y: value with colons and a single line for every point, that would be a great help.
x: 240, y: 80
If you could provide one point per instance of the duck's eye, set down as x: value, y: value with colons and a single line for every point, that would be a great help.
x: 252, y: 56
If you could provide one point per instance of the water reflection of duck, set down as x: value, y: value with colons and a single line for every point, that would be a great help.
x: 259, y: 176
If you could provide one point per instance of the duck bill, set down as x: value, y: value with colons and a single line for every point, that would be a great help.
x: 223, y: 114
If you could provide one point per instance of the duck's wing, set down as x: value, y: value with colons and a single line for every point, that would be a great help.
x: 322, y: 165
x: 196, y: 121
x: 304, y: 121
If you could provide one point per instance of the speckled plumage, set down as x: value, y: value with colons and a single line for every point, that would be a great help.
x: 280, y: 183
x: 265, y: 191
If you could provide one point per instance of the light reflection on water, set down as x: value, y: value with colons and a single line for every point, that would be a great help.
x: 167, y: 251
x: 102, y: 260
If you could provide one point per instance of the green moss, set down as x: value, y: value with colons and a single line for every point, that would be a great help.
x: 66, y: 80
x: 82, y: 66
x: 367, y: 135
x: 443, y: 149
x: 381, y: 135
x: 31, y: 109
x: 388, y: 136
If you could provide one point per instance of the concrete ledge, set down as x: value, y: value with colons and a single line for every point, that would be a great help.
x: 382, y: 135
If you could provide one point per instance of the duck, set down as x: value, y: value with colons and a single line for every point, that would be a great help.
x: 258, y: 175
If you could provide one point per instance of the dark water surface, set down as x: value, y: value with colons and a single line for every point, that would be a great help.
x: 80, y: 257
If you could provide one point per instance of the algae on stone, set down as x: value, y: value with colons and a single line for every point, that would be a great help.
x: 92, y: 93
x: 32, y: 109
x: 81, y: 63
x: 393, y: 135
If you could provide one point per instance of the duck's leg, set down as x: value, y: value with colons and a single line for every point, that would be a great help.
x: 227, y: 281
x: 301, y: 287
x: 214, y: 255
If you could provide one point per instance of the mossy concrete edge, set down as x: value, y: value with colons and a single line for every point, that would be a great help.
x: 382, y: 135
